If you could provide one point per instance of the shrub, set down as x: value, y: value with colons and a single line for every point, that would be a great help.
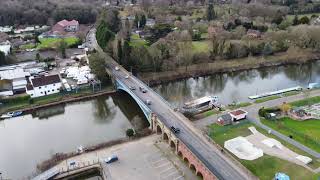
x: 130, y: 132
x: 15, y: 99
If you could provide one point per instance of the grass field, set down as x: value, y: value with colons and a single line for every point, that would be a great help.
x: 54, y: 42
x: 307, y: 101
x: 137, y: 41
x: 266, y: 166
x: 261, y: 100
x: 200, y: 46
x: 28, y: 46
x: 243, y: 104
x: 305, y: 132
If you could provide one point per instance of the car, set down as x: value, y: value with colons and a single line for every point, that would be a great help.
x: 132, y: 88
x: 142, y: 89
x: 175, y: 130
x: 117, y: 68
x: 127, y: 77
x: 148, y: 102
x: 111, y: 159
x: 72, y: 163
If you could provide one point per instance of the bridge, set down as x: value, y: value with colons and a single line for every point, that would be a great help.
x: 201, y: 155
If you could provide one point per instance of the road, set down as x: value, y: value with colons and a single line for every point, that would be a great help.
x: 209, y: 155
x: 254, y: 117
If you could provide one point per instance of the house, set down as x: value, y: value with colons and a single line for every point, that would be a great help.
x: 225, y: 119
x: 6, y: 88
x: 253, y: 33
x: 5, y: 47
x: 66, y: 26
x: 18, y: 78
x: 238, y: 114
x: 6, y: 29
x: 150, y: 22
x: 43, y: 85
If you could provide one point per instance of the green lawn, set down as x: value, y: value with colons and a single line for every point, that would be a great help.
x: 200, y: 46
x: 269, y: 98
x: 266, y: 166
x: 243, y: 104
x: 28, y: 46
x: 54, y: 42
x: 137, y: 41
x: 305, y: 132
x: 307, y: 101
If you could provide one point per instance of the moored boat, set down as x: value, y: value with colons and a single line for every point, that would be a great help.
x: 201, y: 104
x: 11, y: 114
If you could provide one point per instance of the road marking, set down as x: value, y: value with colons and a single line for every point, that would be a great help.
x: 178, y: 178
x: 171, y: 173
x: 158, y: 161
x: 161, y: 165
x: 166, y: 169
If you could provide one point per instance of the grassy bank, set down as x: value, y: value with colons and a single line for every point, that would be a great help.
x: 307, y: 101
x: 266, y: 166
x: 305, y: 132
x: 54, y: 42
x: 40, y: 101
x: 269, y: 98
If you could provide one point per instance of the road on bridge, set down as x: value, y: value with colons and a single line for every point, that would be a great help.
x: 222, y: 167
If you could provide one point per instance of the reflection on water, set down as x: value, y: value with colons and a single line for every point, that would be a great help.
x: 237, y: 86
x: 28, y: 140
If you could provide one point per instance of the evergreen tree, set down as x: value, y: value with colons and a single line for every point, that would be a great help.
x: 2, y: 58
x: 143, y: 20
x: 210, y: 11
x: 136, y: 21
x: 120, y: 54
x: 62, y: 48
x: 126, y: 51
x: 295, y: 20
x: 103, y: 34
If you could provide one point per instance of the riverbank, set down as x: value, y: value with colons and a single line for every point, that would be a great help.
x: 300, y: 56
x: 53, y: 100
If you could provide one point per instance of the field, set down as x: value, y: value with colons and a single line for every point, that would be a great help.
x: 136, y: 41
x: 266, y: 166
x: 307, y: 101
x: 54, y: 42
x: 200, y: 46
x: 261, y: 100
x: 305, y: 132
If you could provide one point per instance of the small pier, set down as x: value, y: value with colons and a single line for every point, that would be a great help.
x: 297, y: 88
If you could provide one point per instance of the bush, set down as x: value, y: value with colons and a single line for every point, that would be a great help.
x: 130, y: 132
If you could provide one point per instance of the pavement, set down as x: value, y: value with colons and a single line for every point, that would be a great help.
x: 220, y: 165
x: 254, y: 117
x: 144, y: 159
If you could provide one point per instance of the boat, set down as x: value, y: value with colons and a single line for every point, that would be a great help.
x: 11, y: 114
x: 200, y: 105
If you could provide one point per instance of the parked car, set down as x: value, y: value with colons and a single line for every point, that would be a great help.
x: 175, y: 130
x: 117, y: 68
x: 111, y: 159
x: 127, y: 77
x: 132, y: 88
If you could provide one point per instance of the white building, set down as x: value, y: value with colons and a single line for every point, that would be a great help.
x: 5, y: 48
x: 6, y: 88
x: 18, y: 78
x: 44, y: 85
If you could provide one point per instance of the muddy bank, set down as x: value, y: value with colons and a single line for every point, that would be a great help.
x: 224, y: 66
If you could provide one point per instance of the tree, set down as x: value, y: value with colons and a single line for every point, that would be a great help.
x: 304, y: 20
x: 2, y: 58
x: 38, y: 58
x: 62, y: 48
x: 210, y: 11
x: 126, y: 51
x: 111, y: 18
x: 97, y: 65
x: 130, y: 132
x: 103, y: 34
x: 136, y: 21
x: 120, y: 54
x: 285, y: 107
x: 295, y: 21
x: 267, y: 50
x: 143, y: 20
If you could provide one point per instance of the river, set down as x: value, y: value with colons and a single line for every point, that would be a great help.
x: 28, y: 140
x: 32, y: 138
x: 237, y: 86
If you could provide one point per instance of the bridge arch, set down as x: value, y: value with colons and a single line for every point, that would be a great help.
x: 173, y: 145
x: 159, y: 130
x: 180, y: 154
x: 193, y: 168
x: 165, y: 137
x: 186, y: 160
x: 199, y: 174
x: 145, y: 109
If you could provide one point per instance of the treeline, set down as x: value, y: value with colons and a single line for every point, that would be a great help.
x: 42, y: 12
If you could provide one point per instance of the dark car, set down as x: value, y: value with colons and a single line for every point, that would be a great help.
x: 142, y: 89
x: 175, y: 130
x: 111, y: 159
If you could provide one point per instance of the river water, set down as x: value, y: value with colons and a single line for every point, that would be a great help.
x: 237, y: 86
x: 32, y: 138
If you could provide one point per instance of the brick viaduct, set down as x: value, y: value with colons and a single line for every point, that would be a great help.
x: 181, y: 150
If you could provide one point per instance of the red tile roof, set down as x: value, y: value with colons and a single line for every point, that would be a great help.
x: 65, y: 23
x: 237, y: 112
x: 45, y: 80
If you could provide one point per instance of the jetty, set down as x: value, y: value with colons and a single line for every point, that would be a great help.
x: 297, y: 88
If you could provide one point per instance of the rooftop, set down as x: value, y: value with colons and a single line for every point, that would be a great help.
x: 68, y: 23
x: 238, y: 112
x: 13, y: 74
x: 45, y: 80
